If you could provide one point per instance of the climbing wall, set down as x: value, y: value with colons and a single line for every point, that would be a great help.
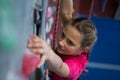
x: 15, y: 28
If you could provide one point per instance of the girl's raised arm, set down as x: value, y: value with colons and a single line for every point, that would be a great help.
x: 66, y: 10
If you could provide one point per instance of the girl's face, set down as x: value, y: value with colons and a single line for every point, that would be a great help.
x: 69, y: 41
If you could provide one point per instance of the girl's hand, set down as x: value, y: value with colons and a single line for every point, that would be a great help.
x: 38, y: 47
x: 53, y: 61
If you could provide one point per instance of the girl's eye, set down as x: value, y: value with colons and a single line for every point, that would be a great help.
x: 70, y: 43
x: 62, y: 35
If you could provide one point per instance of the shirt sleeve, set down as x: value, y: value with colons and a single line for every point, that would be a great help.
x: 76, y: 66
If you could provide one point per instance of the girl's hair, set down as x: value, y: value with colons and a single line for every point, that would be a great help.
x: 87, y: 29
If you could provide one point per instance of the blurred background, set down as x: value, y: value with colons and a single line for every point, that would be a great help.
x: 16, y: 26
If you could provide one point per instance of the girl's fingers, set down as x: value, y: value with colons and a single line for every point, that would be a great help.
x: 37, y: 50
x: 35, y: 38
x: 35, y: 42
x: 34, y: 45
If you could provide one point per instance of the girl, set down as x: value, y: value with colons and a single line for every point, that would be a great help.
x: 70, y: 57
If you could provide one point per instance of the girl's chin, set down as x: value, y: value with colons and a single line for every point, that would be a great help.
x: 64, y: 53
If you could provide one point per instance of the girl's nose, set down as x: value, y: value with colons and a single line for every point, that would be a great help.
x: 62, y: 42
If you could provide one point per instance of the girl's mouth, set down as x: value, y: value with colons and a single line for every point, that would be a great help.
x: 60, y: 50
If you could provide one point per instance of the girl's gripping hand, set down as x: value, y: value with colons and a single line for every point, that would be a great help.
x: 38, y: 47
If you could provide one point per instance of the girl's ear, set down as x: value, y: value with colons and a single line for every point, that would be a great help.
x: 85, y: 49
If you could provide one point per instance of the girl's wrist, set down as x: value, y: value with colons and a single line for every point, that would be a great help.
x: 49, y: 54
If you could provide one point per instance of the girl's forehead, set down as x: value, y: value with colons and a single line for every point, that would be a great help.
x: 72, y: 34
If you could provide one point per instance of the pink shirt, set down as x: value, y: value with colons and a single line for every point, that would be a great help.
x: 76, y: 65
